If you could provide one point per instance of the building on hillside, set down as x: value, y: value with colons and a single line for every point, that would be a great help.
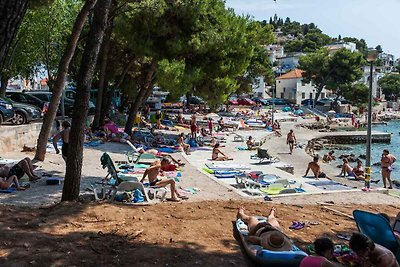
x: 387, y: 62
x: 291, y: 87
x: 260, y: 89
x: 274, y: 52
x: 288, y: 62
x: 337, y: 46
x: 376, y: 91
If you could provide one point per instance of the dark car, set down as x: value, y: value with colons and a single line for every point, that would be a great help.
x: 25, y: 113
x: 6, y: 111
x: 278, y: 102
x: 246, y: 102
x: 46, y: 96
x: 309, y: 102
x: 195, y: 100
x: 28, y: 99
x: 259, y: 100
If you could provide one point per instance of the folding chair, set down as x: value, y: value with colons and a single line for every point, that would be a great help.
x: 378, y: 228
x: 263, y: 156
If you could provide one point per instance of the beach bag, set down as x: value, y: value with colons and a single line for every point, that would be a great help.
x: 255, y: 174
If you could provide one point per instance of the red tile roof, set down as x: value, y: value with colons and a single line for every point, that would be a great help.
x: 294, y: 74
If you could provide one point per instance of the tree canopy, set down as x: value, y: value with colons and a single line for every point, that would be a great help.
x: 390, y: 84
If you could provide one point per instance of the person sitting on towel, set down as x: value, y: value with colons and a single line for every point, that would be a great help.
x: 315, y: 168
x: 324, y: 252
x: 346, y: 169
x: 327, y: 158
x: 20, y: 169
x: 6, y: 183
x: 154, y: 171
x: 250, y: 143
x: 372, y: 254
x: 266, y: 234
x: 358, y: 171
x: 215, y: 154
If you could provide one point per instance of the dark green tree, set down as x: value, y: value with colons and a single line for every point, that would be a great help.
x: 390, y: 84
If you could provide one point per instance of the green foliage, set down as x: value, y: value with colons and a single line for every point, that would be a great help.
x: 361, y: 45
x: 312, y: 41
x: 42, y: 38
x: 379, y: 49
x: 356, y: 93
x: 390, y: 84
x: 331, y: 71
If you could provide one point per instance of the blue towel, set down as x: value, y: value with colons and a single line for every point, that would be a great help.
x: 166, y: 149
x: 7, y: 191
x: 138, y: 196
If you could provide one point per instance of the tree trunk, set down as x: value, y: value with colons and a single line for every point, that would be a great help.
x: 61, y: 76
x: 140, y: 97
x: 319, y: 90
x: 81, y: 107
x: 4, y: 82
x: 102, y: 76
x: 11, y: 15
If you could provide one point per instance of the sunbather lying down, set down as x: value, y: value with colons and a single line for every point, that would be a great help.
x: 12, y: 181
x: 154, y: 171
x: 266, y: 234
x: 23, y: 167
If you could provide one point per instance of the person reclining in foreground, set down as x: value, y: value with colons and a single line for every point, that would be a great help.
x: 19, y: 170
x: 154, y: 170
x: 6, y: 183
x: 372, y: 254
x: 266, y: 234
x: 315, y: 168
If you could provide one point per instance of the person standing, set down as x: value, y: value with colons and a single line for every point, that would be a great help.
x: 210, y: 125
x: 387, y: 161
x: 290, y: 140
x: 64, y: 135
x: 193, y: 127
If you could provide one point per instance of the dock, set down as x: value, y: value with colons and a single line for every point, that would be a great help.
x: 357, y: 137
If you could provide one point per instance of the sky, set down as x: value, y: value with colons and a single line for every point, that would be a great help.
x: 373, y: 20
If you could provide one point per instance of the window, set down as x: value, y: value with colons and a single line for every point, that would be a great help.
x: 284, y: 89
x: 303, y: 95
x: 282, y: 95
x: 303, y: 83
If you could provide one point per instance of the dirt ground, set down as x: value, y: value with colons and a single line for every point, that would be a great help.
x: 167, y: 234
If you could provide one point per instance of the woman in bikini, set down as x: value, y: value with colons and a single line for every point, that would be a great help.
x: 387, y: 161
x: 215, y: 154
x: 64, y: 135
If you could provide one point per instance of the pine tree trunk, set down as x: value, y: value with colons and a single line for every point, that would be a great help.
x: 84, y: 82
x: 102, y: 76
x: 4, y: 82
x: 141, y: 97
x: 11, y: 15
x: 60, y: 81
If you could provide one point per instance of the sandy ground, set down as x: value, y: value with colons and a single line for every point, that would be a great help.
x: 199, y: 232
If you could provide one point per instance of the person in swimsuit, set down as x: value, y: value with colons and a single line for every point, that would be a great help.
x: 215, y: 154
x: 158, y: 119
x: 346, y: 169
x: 327, y: 158
x: 266, y: 234
x: 291, y: 140
x: 324, y: 251
x: 6, y: 183
x: 64, y: 135
x: 358, y: 171
x: 23, y: 167
x: 154, y: 170
x: 372, y: 254
x: 387, y: 161
x: 193, y: 127
x: 210, y: 126
x: 250, y: 143
x: 181, y: 143
x: 315, y: 168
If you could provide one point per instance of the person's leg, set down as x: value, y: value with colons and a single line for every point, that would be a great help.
x: 250, y: 221
x: 171, y: 182
x: 389, y: 180
x: 27, y: 169
x: 272, y: 220
x: 384, y: 177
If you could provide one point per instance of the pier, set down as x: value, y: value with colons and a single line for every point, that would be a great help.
x: 357, y: 137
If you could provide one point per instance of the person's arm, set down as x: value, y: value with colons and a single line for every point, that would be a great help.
x: 146, y: 172
x: 308, y: 169
x: 294, y: 137
x: 222, y: 153
x: 55, y: 140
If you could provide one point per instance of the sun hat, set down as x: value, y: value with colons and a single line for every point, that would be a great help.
x: 275, y: 241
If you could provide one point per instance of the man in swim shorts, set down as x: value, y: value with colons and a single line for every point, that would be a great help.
x: 387, y: 161
x: 315, y: 168
x: 291, y: 140
x: 20, y: 169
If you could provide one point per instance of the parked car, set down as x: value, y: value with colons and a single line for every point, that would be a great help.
x: 46, y: 96
x: 278, y: 102
x: 6, y: 111
x: 309, y: 102
x: 25, y: 113
x: 233, y: 101
x: 246, y: 102
x: 195, y: 100
x: 263, y: 101
x: 71, y: 94
x: 28, y: 99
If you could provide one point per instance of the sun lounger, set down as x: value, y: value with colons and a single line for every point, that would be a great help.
x: 135, y: 157
x: 377, y: 228
x: 264, y: 157
x: 131, y: 186
x: 238, y: 138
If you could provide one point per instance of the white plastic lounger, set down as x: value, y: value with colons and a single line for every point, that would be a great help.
x: 227, y: 166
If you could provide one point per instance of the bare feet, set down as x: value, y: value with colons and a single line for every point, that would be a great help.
x: 272, y: 212
x: 21, y: 188
x: 240, y: 213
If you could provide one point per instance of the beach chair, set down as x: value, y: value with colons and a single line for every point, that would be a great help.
x: 135, y: 157
x: 377, y: 228
x: 264, y: 157
x: 114, y: 181
x: 238, y: 138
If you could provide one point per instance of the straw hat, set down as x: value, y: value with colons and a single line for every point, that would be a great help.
x: 275, y: 241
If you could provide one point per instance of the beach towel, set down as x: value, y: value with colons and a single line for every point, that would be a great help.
x: 9, y: 190
x: 329, y: 185
x: 138, y: 196
x: 166, y: 149
x: 227, y: 166
x: 242, y: 148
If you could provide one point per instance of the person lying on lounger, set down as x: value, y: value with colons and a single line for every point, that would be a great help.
x: 12, y: 181
x: 215, y: 154
x: 315, y: 168
x: 154, y: 171
x: 266, y: 234
x: 20, y: 169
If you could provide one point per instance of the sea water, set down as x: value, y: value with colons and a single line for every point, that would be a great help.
x: 392, y: 127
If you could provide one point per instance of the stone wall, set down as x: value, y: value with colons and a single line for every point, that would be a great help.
x: 13, y: 138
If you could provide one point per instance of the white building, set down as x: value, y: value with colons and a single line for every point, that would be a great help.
x: 387, y: 62
x: 275, y: 52
x: 376, y: 91
x: 260, y: 89
x: 333, y: 48
x: 291, y: 87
